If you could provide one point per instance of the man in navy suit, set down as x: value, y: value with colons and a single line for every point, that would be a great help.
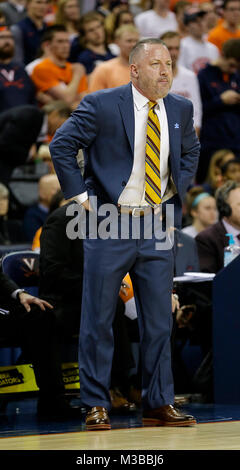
x: 110, y: 126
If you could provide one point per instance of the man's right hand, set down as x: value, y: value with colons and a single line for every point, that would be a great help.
x: 86, y: 205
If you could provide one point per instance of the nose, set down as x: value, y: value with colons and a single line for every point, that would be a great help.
x: 163, y: 70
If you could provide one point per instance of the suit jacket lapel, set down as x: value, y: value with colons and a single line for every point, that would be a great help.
x: 127, y: 112
x: 174, y: 130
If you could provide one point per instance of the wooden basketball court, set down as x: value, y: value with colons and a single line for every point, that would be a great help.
x: 208, y: 436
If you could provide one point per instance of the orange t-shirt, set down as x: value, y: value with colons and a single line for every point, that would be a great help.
x: 47, y: 75
x: 109, y: 74
x: 220, y: 34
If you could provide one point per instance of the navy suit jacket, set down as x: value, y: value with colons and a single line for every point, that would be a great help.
x: 103, y: 126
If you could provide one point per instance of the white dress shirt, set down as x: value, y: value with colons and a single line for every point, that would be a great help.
x: 134, y: 191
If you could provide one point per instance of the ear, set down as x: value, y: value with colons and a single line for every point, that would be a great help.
x: 134, y: 70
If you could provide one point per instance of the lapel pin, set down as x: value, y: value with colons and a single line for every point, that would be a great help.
x: 176, y: 125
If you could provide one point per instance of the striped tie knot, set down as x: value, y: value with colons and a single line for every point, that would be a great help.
x: 151, y: 105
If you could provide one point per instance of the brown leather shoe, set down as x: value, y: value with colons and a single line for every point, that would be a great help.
x: 97, y: 419
x: 167, y: 416
x: 119, y: 403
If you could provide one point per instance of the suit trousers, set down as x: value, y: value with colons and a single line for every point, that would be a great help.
x: 106, y: 261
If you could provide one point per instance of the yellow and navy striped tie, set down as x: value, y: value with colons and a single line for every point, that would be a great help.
x: 152, y: 160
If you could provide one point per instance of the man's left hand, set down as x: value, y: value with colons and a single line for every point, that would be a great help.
x: 26, y: 300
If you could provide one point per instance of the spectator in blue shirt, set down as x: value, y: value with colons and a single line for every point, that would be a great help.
x: 16, y: 88
x: 28, y: 32
x: 220, y: 92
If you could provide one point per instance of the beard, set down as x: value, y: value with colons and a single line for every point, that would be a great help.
x: 6, y: 53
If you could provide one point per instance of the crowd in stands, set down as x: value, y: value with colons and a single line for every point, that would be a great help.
x: 52, y: 54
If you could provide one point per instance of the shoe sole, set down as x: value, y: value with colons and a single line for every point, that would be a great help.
x: 98, y: 427
x: 157, y: 422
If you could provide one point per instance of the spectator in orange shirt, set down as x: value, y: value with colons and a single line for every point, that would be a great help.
x: 54, y: 76
x: 115, y: 72
x: 229, y: 28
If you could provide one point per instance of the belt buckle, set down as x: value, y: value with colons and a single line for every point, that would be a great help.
x: 134, y: 211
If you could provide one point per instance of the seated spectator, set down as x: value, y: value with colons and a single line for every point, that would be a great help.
x: 229, y: 28
x: 195, y: 51
x: 214, y: 177
x: 211, y: 17
x: 191, y: 194
x: 55, y: 114
x: 16, y: 88
x: 61, y: 276
x: 68, y: 14
x: 14, y: 11
x: 24, y: 126
x: 111, y: 22
x: 31, y: 322
x: 231, y: 171
x: 54, y: 76
x: 56, y: 202
x: 10, y: 230
x: 115, y: 72
x: 28, y: 32
x: 36, y: 215
x: 181, y: 7
x: 185, y: 82
x: 203, y: 211
x: 19, y: 130
x: 43, y: 52
x: 212, y: 241
x: 119, y: 19
x: 153, y: 23
x: 90, y: 48
x: 219, y: 87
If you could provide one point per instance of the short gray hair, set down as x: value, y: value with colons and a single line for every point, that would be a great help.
x: 140, y: 45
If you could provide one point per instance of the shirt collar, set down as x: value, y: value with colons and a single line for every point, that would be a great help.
x: 230, y: 229
x: 140, y: 100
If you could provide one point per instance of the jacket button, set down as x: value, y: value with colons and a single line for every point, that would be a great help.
x: 123, y: 183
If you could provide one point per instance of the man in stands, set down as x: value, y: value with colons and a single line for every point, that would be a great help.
x: 212, y: 241
x: 220, y: 93
x: 90, y: 47
x: 28, y: 32
x: 16, y: 88
x: 185, y: 82
x: 229, y: 28
x: 156, y: 21
x: 54, y: 76
x: 195, y: 51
